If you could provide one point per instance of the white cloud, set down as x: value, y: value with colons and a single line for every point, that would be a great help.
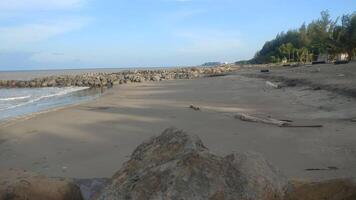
x: 34, y: 5
x: 12, y: 36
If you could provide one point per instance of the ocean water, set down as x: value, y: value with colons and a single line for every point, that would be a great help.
x: 17, y: 102
x: 23, y: 101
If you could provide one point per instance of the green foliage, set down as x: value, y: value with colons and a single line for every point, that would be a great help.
x: 321, y: 36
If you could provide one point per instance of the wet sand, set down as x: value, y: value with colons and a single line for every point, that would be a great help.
x: 94, y: 139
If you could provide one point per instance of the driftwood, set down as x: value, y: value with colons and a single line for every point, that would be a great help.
x: 280, y: 123
x: 274, y: 85
x: 272, y: 121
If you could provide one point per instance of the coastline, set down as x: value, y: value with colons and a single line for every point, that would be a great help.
x: 102, y: 133
x: 14, y: 120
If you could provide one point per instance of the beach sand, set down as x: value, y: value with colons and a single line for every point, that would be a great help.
x: 94, y: 139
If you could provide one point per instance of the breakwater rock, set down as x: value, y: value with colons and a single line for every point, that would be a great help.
x: 109, y: 79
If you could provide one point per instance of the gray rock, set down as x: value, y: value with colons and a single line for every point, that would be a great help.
x: 156, y: 78
x: 175, y: 165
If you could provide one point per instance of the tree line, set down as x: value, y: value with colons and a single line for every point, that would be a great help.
x: 322, y: 36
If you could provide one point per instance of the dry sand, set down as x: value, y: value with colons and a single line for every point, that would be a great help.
x: 94, y: 139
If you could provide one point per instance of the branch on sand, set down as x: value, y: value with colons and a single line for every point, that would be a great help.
x: 274, y: 85
x: 280, y: 123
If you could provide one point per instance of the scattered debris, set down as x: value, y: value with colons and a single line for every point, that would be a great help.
x: 330, y: 168
x: 196, y: 108
x: 340, y: 75
x: 264, y: 70
x: 274, y: 85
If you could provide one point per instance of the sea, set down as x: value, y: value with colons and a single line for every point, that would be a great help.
x: 18, y: 102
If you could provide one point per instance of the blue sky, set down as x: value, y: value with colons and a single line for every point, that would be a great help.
x: 52, y: 34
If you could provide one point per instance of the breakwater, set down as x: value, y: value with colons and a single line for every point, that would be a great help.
x: 98, y: 79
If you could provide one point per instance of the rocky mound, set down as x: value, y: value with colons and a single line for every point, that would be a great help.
x: 175, y: 165
x: 24, y: 185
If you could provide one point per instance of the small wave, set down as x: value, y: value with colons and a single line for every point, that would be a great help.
x: 15, y: 98
x: 61, y: 93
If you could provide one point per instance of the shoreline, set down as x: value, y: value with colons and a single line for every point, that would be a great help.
x: 68, y: 99
x: 13, y: 120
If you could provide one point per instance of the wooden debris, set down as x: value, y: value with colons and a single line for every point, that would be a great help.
x: 280, y: 123
x: 264, y: 70
x: 274, y: 85
x: 304, y: 126
x: 353, y: 120
x: 196, y: 108
x: 248, y: 118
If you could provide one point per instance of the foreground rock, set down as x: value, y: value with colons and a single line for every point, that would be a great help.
x: 109, y: 79
x: 23, y: 185
x: 177, y: 166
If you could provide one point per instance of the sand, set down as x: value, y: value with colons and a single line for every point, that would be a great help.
x: 94, y: 139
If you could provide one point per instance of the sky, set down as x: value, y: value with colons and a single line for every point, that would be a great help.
x: 65, y: 34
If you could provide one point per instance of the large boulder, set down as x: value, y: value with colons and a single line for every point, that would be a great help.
x: 175, y: 165
x: 24, y: 185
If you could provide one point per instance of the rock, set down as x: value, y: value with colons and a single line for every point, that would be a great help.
x: 90, y: 188
x: 339, y: 189
x: 110, y: 84
x: 156, y: 78
x: 32, y: 84
x: 44, y: 84
x: 23, y: 185
x: 175, y: 165
x: 51, y: 83
x: 21, y: 84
